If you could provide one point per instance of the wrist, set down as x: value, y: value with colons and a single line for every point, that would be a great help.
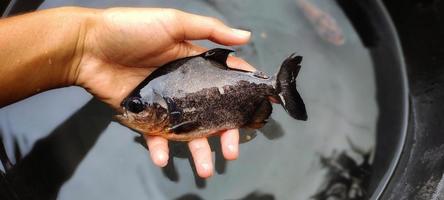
x: 80, y: 22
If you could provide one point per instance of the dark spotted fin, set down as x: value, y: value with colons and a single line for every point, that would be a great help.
x: 286, y: 88
x: 261, y: 115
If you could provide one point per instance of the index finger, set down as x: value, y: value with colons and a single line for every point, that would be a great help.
x: 196, y: 27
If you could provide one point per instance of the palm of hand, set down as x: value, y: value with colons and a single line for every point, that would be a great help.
x: 124, y: 51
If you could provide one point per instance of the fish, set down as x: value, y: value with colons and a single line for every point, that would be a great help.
x: 324, y: 24
x: 199, y: 96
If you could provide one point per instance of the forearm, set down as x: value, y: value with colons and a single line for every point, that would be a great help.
x: 40, y: 51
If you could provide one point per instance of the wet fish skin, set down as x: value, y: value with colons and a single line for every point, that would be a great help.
x: 200, y: 95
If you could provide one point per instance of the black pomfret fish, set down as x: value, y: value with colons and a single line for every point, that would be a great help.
x: 200, y: 95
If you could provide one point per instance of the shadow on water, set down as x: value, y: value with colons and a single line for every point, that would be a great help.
x: 180, y: 150
x: 53, y: 160
x: 252, y: 196
x: 19, y: 6
x: 3, y: 5
x: 190, y: 197
x: 272, y: 130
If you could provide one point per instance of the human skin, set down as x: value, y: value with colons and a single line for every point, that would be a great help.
x: 109, y: 52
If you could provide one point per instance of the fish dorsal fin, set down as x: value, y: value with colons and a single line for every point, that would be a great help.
x: 219, y: 55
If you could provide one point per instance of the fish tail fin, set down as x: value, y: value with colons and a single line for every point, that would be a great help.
x: 286, y: 88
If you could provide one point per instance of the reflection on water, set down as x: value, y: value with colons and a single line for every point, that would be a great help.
x: 281, y: 160
x: 272, y: 130
x: 323, y: 23
x: 346, y: 178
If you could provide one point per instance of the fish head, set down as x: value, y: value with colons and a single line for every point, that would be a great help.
x: 144, y: 116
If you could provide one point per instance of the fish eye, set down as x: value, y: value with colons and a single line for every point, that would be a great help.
x: 135, y: 105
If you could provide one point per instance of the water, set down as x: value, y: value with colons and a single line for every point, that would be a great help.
x: 283, y: 162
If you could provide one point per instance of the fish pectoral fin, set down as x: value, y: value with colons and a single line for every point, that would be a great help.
x: 184, y: 127
x: 174, y: 112
x: 261, y: 115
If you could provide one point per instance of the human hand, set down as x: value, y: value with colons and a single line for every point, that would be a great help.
x: 119, y: 47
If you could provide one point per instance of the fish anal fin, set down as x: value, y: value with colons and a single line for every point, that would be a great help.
x: 261, y: 115
x: 255, y: 125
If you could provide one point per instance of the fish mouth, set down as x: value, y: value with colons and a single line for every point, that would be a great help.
x: 123, y: 119
x: 130, y: 122
x: 126, y: 119
x: 120, y: 118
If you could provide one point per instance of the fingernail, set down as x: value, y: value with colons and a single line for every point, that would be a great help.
x: 206, y: 167
x: 231, y: 148
x: 162, y: 158
x: 242, y: 33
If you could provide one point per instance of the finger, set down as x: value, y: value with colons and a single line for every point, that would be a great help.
x: 196, y: 27
x: 230, y: 144
x: 158, y: 147
x: 238, y: 63
x: 201, y: 152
